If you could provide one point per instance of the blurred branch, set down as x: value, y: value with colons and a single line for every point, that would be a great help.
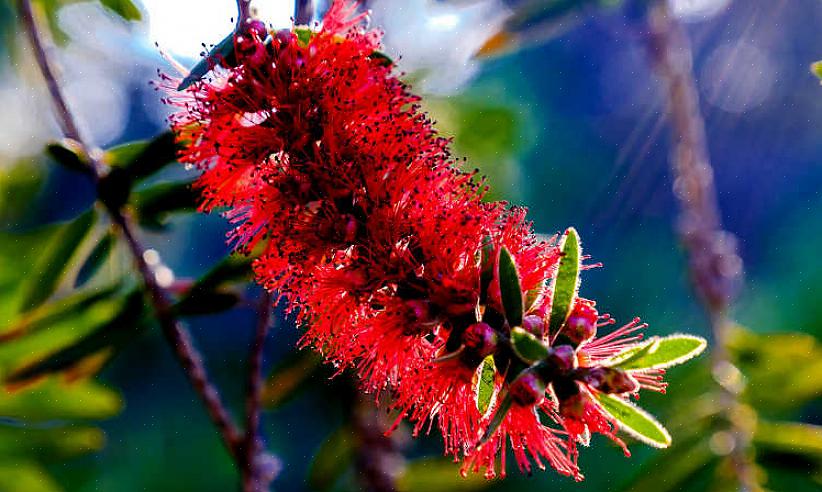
x: 303, y: 11
x: 378, y: 462
x: 253, y: 479
x: 175, y: 333
x: 714, y: 265
x: 243, y: 12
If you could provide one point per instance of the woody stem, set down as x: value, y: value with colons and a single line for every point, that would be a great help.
x: 176, y: 334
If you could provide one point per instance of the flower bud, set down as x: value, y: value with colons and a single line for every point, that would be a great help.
x: 609, y: 380
x: 562, y: 358
x: 481, y: 339
x: 581, y: 325
x: 528, y: 389
x: 419, y: 309
x: 534, y: 325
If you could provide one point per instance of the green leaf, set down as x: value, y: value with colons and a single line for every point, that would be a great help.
x: 49, y: 443
x: 124, y: 8
x: 816, y: 69
x: 288, y: 377
x: 206, y: 303
x: 142, y: 159
x: 304, y: 35
x: 659, y: 353
x: 221, y: 54
x: 566, y: 282
x: 56, y: 400
x: 68, y: 308
x: 681, y: 463
x: 55, y: 258
x: 770, y: 360
x: 484, y: 387
x: 528, y: 347
x: 111, y: 335
x: 510, y: 288
x: 789, y: 437
x: 384, y: 59
x: 634, y: 420
x: 154, y: 204
x: 69, y: 154
x: 499, y: 416
x: 26, y: 475
x: 331, y: 460
x: 95, y: 259
x: 436, y: 474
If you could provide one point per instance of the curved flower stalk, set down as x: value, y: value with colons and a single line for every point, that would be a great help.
x: 446, y: 306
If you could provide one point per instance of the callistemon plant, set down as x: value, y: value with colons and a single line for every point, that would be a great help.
x: 446, y: 306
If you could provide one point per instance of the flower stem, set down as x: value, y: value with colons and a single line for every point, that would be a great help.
x: 252, y: 478
x: 176, y: 334
x: 243, y: 12
x: 714, y: 265
x: 303, y: 11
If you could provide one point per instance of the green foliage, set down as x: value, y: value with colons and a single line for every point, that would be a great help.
x: 222, y: 53
x: 528, y: 347
x: 97, y: 346
x: 484, y: 387
x: 154, y: 204
x: 25, y: 475
x: 510, y: 288
x: 438, y: 475
x: 56, y: 256
x: 288, y: 377
x: 566, y: 283
x: 659, y: 353
x: 635, y: 421
x: 95, y: 259
x: 332, y: 459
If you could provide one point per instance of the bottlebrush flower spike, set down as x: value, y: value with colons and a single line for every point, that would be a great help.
x: 390, y: 259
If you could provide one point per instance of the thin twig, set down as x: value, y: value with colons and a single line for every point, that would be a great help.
x: 714, y: 265
x: 252, y: 479
x: 243, y: 12
x: 303, y: 11
x: 177, y: 335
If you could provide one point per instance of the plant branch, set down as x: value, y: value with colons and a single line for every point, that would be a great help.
x: 303, y: 11
x: 252, y: 478
x: 714, y: 265
x: 175, y: 332
x: 243, y: 12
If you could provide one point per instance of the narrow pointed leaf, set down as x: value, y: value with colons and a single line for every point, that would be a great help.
x: 156, y: 203
x: 68, y: 308
x: 510, y: 288
x: 528, y: 347
x: 438, y: 474
x: 566, y: 281
x: 499, y: 416
x: 333, y: 457
x: 635, y: 421
x: 113, y: 334
x: 220, y: 54
x: 55, y: 260
x: 484, y: 386
x: 659, y: 353
x: 124, y: 8
x: 143, y: 158
x: 304, y: 35
x: 95, y: 259
x: 69, y: 154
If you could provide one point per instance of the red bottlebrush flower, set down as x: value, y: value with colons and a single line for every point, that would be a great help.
x: 377, y: 240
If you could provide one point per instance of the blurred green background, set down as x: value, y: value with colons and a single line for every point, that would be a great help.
x: 570, y: 124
